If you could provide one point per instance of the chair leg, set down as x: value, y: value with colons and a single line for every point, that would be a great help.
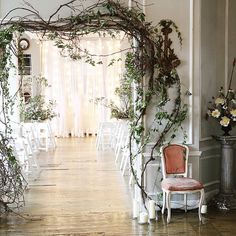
x: 168, y: 195
x: 185, y: 202
x: 163, y: 203
x: 200, y: 204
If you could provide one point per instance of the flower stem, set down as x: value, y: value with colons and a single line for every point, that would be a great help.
x: 231, y: 76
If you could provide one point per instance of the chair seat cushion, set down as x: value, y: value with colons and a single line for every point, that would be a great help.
x: 180, y: 184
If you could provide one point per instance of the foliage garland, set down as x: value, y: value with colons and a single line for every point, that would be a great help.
x: 12, y: 182
x: 151, y: 69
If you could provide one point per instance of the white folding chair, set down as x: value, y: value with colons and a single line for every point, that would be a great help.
x: 45, y: 136
x: 29, y: 132
x: 122, y: 141
x: 27, y: 160
x: 104, y: 135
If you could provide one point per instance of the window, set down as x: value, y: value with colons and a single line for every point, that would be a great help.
x: 24, y: 65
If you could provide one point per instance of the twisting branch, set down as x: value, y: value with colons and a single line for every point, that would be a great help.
x: 60, y: 7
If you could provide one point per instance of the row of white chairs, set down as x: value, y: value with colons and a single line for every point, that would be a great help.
x: 28, y: 140
x: 115, y: 136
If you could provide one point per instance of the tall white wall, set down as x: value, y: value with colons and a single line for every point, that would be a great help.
x: 179, y: 11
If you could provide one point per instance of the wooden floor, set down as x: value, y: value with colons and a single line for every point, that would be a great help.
x: 81, y: 192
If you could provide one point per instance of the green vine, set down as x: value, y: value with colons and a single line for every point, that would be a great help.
x: 12, y: 182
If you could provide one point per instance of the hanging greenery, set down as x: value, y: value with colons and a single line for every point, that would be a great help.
x: 12, y: 182
x: 150, y: 65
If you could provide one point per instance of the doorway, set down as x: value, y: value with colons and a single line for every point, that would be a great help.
x: 75, y: 84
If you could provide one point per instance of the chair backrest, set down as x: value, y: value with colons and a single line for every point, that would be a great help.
x: 174, y: 159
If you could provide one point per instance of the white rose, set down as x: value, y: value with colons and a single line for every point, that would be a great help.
x: 215, y: 113
x: 225, y: 121
x: 219, y: 101
x: 233, y: 112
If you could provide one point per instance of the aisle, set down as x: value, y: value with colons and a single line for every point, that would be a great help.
x: 79, y: 192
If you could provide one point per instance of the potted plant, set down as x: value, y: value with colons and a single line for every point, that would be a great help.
x: 37, y: 110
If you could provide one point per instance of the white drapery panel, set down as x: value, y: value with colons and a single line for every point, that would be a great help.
x: 75, y: 85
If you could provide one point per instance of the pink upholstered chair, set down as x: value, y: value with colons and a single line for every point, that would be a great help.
x: 175, y: 181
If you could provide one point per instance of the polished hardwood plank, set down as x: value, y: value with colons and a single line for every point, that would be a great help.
x: 81, y: 191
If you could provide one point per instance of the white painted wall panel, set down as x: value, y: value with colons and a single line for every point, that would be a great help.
x: 232, y: 38
x: 179, y: 11
x: 212, y: 60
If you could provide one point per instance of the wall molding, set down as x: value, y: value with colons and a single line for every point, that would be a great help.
x: 195, y: 153
x: 226, y: 41
x: 206, y: 139
x: 208, y: 148
x: 191, y: 72
x: 196, y: 79
x: 211, y: 157
x: 211, y: 183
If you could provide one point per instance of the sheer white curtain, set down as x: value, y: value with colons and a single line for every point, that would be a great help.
x: 75, y: 84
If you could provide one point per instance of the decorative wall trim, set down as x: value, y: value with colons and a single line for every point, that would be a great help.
x: 195, y: 153
x: 208, y: 148
x: 211, y: 157
x: 196, y: 60
x: 226, y: 41
x: 191, y: 53
x: 206, y: 139
x: 211, y: 183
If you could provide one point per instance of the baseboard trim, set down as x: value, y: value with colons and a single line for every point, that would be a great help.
x: 211, y: 183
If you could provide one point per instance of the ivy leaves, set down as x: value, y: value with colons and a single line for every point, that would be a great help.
x: 12, y: 184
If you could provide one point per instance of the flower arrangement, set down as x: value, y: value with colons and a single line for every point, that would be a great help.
x: 223, y: 107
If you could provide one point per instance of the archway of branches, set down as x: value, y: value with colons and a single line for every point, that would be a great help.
x: 150, y: 72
